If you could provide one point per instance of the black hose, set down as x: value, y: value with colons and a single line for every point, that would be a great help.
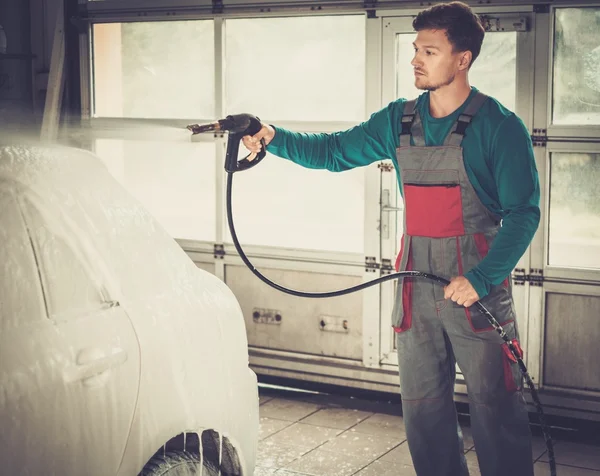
x: 402, y: 274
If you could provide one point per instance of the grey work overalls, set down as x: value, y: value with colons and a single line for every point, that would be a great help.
x: 447, y: 231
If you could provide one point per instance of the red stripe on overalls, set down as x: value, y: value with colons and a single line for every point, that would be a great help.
x: 483, y: 248
x: 461, y: 273
x: 406, y: 289
x: 508, y: 357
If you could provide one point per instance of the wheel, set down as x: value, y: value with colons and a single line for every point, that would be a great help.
x: 179, y: 463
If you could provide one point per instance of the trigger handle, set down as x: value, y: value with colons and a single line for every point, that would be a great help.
x: 245, y: 164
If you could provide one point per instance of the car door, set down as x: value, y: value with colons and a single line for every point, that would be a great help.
x: 81, y: 360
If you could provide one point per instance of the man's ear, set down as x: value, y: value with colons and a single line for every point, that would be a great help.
x: 465, y: 60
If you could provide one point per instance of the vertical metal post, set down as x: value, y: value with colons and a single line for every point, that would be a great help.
x: 371, y: 345
x: 219, y: 48
x: 541, y: 101
x: 56, y: 79
x: 524, y: 109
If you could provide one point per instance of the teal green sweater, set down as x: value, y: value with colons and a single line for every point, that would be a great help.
x: 498, y: 157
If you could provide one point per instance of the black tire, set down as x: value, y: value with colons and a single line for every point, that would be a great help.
x: 179, y: 463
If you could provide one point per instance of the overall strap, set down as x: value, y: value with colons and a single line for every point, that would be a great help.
x: 456, y: 136
x: 411, y: 124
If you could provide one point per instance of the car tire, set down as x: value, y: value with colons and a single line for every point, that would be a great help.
x: 179, y: 463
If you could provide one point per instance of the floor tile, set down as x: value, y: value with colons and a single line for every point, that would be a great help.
x: 341, y: 418
x: 386, y: 468
x: 261, y: 471
x: 399, y: 455
x: 472, y: 463
x: 540, y: 468
x: 273, y: 455
x: 576, y: 454
x: 354, y: 443
x: 290, y: 410
x: 262, y: 399
x: 321, y: 462
x: 543, y: 469
x: 538, y: 447
x: 538, y: 443
x: 334, y: 441
x: 385, y: 425
x: 269, y: 426
x: 467, y: 438
x: 303, y: 436
x: 285, y: 472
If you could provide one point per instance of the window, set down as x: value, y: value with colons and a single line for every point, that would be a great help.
x: 174, y: 181
x: 494, y: 72
x: 296, y: 69
x: 154, y: 69
x: 21, y: 290
x: 70, y: 283
x: 279, y: 203
x: 574, y: 236
x: 576, y: 80
x: 309, y: 69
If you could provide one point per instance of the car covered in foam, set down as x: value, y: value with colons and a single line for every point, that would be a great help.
x: 118, y: 356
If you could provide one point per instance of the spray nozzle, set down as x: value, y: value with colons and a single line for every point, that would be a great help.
x: 238, y: 126
x: 236, y: 123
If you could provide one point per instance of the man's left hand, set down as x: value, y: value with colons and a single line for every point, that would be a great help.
x: 461, y: 291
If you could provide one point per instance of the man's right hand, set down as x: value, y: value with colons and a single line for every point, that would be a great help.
x: 252, y: 143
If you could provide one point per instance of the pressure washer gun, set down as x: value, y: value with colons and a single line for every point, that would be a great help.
x: 238, y: 126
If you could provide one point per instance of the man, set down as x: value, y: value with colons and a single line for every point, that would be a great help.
x: 471, y: 195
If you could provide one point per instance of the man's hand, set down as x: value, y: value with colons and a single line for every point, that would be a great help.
x: 461, y: 292
x: 252, y: 143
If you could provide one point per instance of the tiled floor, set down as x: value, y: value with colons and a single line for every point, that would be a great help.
x: 301, y: 435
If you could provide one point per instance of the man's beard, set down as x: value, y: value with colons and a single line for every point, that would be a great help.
x: 434, y: 87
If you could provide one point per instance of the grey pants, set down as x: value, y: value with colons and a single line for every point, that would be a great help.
x: 427, y: 353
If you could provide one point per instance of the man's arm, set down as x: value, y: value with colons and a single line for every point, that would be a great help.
x: 361, y: 145
x: 518, y: 188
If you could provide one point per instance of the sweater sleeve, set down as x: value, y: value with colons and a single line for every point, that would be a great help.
x: 517, y: 182
x: 370, y: 141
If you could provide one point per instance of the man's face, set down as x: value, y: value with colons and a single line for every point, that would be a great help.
x: 434, y: 63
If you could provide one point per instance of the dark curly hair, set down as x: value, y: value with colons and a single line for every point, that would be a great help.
x: 462, y: 26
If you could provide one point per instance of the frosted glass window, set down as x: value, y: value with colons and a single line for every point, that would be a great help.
x: 493, y: 73
x: 21, y: 289
x: 296, y: 69
x: 279, y: 203
x: 59, y: 256
x: 174, y: 181
x: 576, y: 94
x: 154, y: 69
x: 574, y: 237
